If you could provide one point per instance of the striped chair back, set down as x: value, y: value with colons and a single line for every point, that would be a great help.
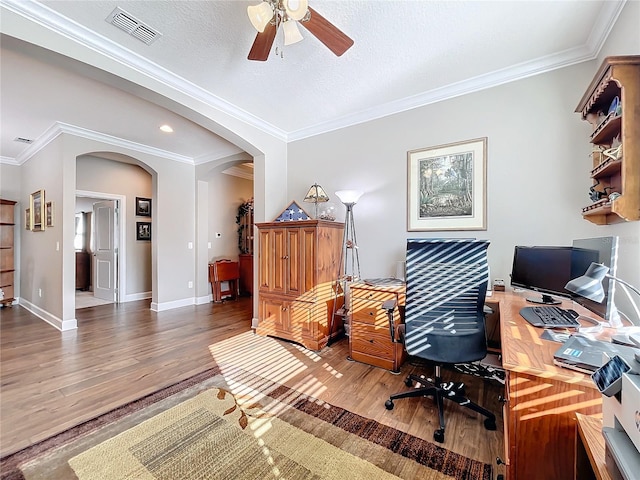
x: 446, y: 287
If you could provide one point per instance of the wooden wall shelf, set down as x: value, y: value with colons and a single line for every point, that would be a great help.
x: 617, y: 77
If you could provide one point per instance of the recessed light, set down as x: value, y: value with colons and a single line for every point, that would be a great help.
x: 166, y: 129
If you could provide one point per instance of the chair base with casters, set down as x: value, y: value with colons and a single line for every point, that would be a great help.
x: 441, y: 391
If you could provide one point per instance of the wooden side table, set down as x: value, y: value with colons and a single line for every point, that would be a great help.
x: 224, y: 271
x: 590, y: 449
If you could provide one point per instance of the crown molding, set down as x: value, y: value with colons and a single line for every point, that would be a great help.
x: 52, y: 20
x: 238, y: 172
x: 58, y: 128
x: 8, y: 161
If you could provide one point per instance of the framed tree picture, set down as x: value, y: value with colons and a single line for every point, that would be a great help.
x: 447, y: 187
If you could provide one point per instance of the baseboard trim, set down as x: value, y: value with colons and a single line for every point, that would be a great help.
x: 62, y: 325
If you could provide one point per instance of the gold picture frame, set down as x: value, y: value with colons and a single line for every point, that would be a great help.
x: 447, y: 187
x: 37, y: 206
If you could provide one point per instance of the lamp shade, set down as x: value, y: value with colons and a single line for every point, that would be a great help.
x: 260, y: 15
x: 291, y: 33
x: 349, y: 197
x: 589, y: 285
x: 316, y: 194
x: 296, y: 9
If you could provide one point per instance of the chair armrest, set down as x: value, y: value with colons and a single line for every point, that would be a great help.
x: 390, y: 306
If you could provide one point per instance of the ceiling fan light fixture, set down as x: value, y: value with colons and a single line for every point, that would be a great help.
x: 291, y: 32
x: 260, y: 15
x: 296, y: 9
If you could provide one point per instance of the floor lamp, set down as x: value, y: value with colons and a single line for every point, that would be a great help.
x: 349, y: 259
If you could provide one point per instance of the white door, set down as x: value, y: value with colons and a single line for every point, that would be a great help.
x: 104, y: 250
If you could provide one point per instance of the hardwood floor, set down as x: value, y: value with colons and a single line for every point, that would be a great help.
x: 53, y: 380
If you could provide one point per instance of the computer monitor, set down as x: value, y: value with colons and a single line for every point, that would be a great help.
x: 542, y: 269
x: 602, y: 250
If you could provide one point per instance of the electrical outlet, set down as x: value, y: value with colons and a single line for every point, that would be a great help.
x: 190, y: 284
x: 40, y: 292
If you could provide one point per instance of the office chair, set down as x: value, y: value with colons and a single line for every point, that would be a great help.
x: 444, y: 317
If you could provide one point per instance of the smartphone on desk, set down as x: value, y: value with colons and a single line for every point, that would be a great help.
x: 608, y: 378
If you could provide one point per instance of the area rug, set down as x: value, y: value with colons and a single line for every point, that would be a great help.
x: 236, y: 426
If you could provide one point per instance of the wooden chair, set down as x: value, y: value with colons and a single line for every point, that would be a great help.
x: 224, y: 271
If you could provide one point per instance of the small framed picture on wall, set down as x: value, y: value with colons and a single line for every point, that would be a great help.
x: 143, y: 231
x: 143, y: 207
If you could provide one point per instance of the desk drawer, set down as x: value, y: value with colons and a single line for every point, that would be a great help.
x: 369, y: 312
x: 371, y: 344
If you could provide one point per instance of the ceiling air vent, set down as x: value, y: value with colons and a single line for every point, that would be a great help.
x: 134, y: 27
x: 22, y: 140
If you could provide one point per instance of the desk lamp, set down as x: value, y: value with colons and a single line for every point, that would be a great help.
x: 589, y: 286
x: 315, y: 195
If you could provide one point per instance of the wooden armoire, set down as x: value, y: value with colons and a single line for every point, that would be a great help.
x: 298, y: 266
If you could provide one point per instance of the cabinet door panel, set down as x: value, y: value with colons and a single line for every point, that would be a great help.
x: 293, y: 262
x: 274, y: 316
x: 265, y: 260
x: 279, y: 252
x: 309, y: 260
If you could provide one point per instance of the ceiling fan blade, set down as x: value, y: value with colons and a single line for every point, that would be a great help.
x: 262, y: 44
x: 327, y: 33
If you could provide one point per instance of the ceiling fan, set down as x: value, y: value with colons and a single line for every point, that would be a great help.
x: 269, y: 15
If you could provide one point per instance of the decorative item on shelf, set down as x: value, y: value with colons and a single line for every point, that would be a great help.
x: 244, y: 219
x: 327, y: 211
x: 597, y: 156
x: 596, y: 195
x: 615, y: 107
x: 292, y: 213
x: 613, y: 153
x: 590, y: 287
x: 315, y: 195
x: 613, y: 196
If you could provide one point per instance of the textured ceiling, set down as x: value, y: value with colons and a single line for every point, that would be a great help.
x: 406, y: 54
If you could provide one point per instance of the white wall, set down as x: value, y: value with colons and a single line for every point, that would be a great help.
x: 96, y: 174
x: 226, y: 194
x: 538, y: 168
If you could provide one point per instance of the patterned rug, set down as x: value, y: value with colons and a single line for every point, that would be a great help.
x: 238, y: 426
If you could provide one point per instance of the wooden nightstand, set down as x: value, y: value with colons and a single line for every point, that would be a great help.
x: 370, y: 339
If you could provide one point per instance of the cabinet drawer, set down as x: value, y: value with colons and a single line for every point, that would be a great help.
x: 371, y: 339
x: 369, y: 312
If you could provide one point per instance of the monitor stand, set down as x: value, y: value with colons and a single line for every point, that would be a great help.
x: 544, y: 299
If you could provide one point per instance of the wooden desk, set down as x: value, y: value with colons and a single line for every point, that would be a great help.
x: 590, y: 450
x: 541, y: 399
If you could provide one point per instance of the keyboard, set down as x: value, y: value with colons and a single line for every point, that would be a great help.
x: 550, y: 317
